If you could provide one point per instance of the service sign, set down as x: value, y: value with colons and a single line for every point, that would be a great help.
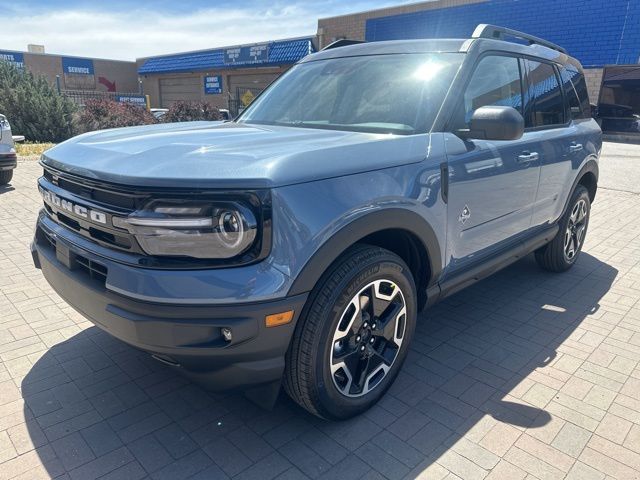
x: 247, y: 55
x: 212, y: 84
x: 77, y: 66
x: 14, y: 58
x: 139, y: 100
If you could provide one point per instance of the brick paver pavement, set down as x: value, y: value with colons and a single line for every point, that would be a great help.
x: 525, y: 375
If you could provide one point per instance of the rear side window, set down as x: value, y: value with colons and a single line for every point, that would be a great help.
x: 580, y: 85
x: 574, y: 110
x: 544, y: 87
x: 495, y: 81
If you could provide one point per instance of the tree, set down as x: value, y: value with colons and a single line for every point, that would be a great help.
x: 33, y: 106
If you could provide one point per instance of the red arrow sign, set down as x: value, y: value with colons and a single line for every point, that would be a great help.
x: 111, y: 86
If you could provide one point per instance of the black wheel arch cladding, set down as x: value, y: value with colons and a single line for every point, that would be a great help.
x: 359, y: 229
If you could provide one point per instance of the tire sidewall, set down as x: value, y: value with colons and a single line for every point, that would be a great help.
x: 580, y: 194
x: 337, y: 405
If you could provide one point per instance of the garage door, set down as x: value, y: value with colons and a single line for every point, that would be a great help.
x: 186, y: 89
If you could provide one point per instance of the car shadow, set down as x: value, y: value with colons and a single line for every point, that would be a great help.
x: 6, y: 188
x: 94, y: 405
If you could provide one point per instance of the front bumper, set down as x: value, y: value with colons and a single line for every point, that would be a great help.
x: 8, y: 162
x: 186, y: 336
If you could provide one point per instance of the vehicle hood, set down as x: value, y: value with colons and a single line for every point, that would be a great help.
x: 228, y: 155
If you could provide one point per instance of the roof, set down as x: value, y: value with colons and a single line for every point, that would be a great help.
x: 100, y: 59
x: 259, y: 54
x: 478, y: 45
x: 390, y: 47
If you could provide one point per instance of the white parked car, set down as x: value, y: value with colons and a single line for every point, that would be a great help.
x: 159, y: 112
x: 8, y: 156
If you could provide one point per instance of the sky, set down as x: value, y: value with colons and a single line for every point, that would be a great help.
x: 125, y: 30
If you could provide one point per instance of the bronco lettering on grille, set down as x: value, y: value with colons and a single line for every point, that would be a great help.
x: 78, y: 210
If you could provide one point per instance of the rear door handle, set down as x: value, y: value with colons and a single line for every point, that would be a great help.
x: 575, y: 147
x: 527, y: 157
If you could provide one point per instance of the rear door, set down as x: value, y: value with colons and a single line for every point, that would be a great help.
x: 556, y: 137
x: 492, y: 184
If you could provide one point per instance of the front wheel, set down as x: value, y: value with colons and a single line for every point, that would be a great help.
x: 562, y: 252
x: 354, y: 335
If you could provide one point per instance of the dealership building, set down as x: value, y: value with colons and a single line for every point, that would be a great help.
x: 604, y: 36
x: 227, y: 77
x: 77, y: 73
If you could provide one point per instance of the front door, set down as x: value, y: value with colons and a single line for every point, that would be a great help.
x: 492, y: 184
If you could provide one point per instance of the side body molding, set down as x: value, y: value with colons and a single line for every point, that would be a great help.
x: 389, y: 218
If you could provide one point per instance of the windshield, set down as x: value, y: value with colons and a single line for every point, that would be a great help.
x: 399, y: 93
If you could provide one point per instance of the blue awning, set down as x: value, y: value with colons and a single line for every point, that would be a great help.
x: 263, y: 54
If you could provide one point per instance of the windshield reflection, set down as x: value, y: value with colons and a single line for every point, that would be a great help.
x: 397, y: 94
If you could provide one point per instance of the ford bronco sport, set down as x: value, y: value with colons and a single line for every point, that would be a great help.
x: 296, y: 244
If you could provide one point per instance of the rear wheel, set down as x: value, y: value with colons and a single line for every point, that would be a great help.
x: 354, y: 334
x: 6, y: 176
x: 562, y: 252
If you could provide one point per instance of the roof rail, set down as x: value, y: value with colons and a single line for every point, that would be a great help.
x: 485, y: 30
x: 343, y: 42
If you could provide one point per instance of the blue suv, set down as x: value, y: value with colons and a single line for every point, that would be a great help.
x: 296, y: 244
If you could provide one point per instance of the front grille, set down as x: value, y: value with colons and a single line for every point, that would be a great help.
x: 93, y: 192
x: 77, y: 262
x: 107, y: 201
x: 93, y: 197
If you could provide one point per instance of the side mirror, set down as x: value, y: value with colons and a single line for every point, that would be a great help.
x: 495, y: 123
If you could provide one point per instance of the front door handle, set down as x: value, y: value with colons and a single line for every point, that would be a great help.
x: 575, y: 147
x: 527, y: 156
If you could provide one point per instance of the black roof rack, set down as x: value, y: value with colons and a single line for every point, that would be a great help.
x: 343, y: 42
x: 485, y: 30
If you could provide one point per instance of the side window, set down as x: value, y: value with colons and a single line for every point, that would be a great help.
x: 495, y: 81
x: 580, y: 84
x: 574, y: 109
x: 545, y: 89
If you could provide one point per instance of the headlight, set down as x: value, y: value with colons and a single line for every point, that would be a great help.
x: 200, y: 230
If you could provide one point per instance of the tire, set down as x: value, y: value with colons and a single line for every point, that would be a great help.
x: 6, y: 176
x: 557, y: 255
x: 332, y: 328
